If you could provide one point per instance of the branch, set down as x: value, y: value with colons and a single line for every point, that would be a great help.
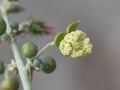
x: 22, y: 71
x: 43, y: 49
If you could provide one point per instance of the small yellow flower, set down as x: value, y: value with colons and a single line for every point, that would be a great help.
x: 13, y: 64
x: 75, y: 44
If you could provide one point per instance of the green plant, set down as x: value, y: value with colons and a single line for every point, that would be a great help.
x: 73, y: 43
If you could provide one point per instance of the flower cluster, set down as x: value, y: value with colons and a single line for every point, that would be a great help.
x: 75, y: 44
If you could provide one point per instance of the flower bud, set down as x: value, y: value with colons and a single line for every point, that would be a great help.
x: 2, y: 26
x: 29, y: 50
x: 15, y: 26
x: 2, y: 67
x: 36, y: 27
x: 75, y: 44
x: 49, y: 65
x: 37, y: 64
x: 10, y: 83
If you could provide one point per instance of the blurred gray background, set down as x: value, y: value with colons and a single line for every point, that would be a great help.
x: 100, y: 19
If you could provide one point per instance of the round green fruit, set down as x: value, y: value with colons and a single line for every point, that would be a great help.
x: 14, y: 25
x: 37, y: 64
x: 2, y: 26
x: 49, y: 65
x: 2, y: 67
x: 29, y: 50
x: 10, y: 83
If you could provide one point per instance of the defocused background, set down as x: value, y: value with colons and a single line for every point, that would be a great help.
x: 100, y: 19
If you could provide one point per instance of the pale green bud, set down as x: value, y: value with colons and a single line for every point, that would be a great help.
x: 75, y: 44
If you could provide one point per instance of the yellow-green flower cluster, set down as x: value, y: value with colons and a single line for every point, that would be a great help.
x: 75, y: 44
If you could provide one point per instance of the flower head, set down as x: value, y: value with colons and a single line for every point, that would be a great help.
x: 75, y: 44
x: 38, y: 27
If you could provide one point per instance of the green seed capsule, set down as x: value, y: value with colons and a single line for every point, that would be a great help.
x: 2, y: 26
x: 2, y: 67
x: 37, y: 64
x: 14, y: 25
x: 29, y: 50
x: 49, y: 65
x: 10, y: 83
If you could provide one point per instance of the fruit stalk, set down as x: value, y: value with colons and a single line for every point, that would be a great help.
x: 43, y: 49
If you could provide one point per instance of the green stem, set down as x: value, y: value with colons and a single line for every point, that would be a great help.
x: 29, y: 64
x: 38, y: 54
x: 22, y: 70
x: 43, y: 49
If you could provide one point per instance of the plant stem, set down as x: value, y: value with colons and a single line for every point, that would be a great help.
x: 29, y: 64
x: 43, y: 49
x: 22, y: 70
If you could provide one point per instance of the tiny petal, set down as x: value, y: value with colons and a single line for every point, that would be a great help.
x: 65, y: 48
x: 49, y: 30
